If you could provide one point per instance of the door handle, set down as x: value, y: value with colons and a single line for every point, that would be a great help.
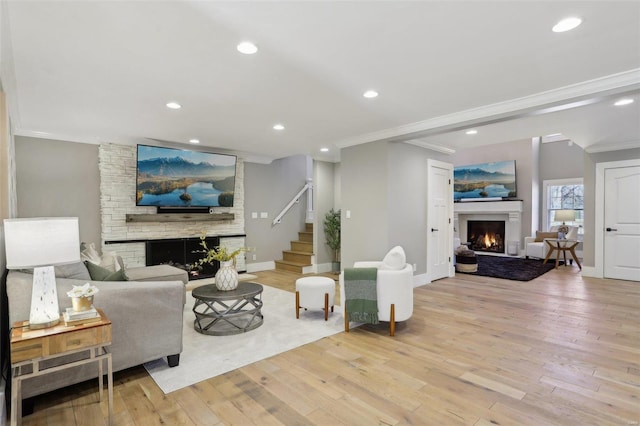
x: 611, y: 229
x: 433, y: 229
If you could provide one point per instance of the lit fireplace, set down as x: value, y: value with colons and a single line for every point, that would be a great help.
x: 486, y: 235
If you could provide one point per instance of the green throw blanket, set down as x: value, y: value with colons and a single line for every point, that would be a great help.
x: 361, y: 295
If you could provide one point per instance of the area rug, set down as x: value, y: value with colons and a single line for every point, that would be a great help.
x: 511, y: 268
x: 209, y: 356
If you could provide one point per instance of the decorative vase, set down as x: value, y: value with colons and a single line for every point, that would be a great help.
x: 82, y: 303
x: 227, y: 277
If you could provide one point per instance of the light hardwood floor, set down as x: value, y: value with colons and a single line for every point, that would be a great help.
x: 558, y: 350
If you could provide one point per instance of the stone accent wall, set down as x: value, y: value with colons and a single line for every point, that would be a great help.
x: 117, y: 199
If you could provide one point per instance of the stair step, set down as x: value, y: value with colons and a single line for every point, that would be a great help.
x: 303, y: 246
x: 284, y: 265
x: 297, y: 256
x: 305, y: 236
x: 308, y: 227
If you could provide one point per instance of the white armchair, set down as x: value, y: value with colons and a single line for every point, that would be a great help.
x: 394, y: 291
x: 539, y: 249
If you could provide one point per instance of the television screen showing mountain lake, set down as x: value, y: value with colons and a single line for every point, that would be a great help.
x: 489, y: 191
x: 202, y: 194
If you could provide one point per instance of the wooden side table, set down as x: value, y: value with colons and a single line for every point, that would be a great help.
x: 562, y: 246
x: 31, y: 347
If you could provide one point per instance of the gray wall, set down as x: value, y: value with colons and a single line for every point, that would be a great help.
x: 558, y: 160
x: 384, y: 185
x: 589, y: 250
x: 268, y: 188
x: 324, y: 201
x: 524, y: 152
x: 59, y: 178
x: 364, y: 180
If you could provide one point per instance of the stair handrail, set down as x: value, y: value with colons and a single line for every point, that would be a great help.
x: 296, y: 198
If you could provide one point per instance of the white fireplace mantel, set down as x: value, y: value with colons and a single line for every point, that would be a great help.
x: 475, y: 207
x: 509, y: 211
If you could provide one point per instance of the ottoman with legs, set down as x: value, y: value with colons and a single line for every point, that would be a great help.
x: 315, y: 293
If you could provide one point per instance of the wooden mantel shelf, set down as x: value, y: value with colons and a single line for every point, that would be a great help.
x: 179, y: 217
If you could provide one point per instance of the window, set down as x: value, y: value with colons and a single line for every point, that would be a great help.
x: 563, y: 194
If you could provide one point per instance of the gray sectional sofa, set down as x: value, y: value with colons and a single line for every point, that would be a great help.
x: 146, y: 316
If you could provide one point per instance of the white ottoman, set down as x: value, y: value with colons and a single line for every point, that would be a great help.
x: 315, y: 293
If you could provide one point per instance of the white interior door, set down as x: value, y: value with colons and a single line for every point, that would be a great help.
x: 622, y: 223
x: 439, y: 219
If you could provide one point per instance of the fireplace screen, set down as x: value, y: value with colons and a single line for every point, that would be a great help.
x: 486, y: 235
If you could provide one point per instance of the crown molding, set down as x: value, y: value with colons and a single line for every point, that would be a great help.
x: 570, y: 96
x: 433, y: 147
x: 56, y: 136
x: 592, y: 149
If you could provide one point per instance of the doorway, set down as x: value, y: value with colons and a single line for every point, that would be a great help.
x: 617, y: 230
x: 439, y: 219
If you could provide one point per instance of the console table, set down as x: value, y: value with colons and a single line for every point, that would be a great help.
x: 29, y: 348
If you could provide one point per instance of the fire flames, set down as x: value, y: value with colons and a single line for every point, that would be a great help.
x: 489, y: 240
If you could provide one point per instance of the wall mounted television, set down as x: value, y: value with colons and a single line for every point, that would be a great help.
x: 477, y: 182
x: 179, y: 178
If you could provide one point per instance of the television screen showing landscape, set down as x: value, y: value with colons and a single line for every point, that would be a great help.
x: 169, y: 177
x: 487, y: 180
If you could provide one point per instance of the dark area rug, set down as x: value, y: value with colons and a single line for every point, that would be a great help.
x: 511, y: 268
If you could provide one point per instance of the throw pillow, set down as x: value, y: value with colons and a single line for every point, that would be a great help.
x: 89, y: 253
x: 98, y: 273
x: 394, y: 260
x: 108, y: 260
x: 540, y: 236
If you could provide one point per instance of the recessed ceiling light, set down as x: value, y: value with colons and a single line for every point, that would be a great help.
x: 247, y: 48
x: 194, y: 140
x: 173, y: 105
x: 625, y: 101
x: 278, y: 127
x: 370, y: 94
x: 471, y: 132
x: 566, y: 24
x: 324, y: 149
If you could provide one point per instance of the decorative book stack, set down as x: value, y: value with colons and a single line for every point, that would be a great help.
x: 72, y: 317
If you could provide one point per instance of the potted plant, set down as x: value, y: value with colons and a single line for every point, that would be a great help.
x: 332, y: 236
x: 82, y: 296
x: 227, y: 277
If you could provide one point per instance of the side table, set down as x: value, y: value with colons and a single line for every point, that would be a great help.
x: 562, y: 246
x: 31, y: 347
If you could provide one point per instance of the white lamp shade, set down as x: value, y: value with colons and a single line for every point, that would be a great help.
x: 564, y: 215
x: 45, y: 241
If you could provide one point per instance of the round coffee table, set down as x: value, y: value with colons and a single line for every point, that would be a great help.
x: 221, y: 313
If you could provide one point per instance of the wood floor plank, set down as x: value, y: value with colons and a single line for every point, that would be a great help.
x: 558, y: 350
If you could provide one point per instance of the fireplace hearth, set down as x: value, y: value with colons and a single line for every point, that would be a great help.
x: 486, y: 235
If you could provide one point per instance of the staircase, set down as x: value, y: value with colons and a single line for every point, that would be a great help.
x: 301, y: 252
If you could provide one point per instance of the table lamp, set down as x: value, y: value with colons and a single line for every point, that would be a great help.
x: 564, y: 215
x: 40, y: 243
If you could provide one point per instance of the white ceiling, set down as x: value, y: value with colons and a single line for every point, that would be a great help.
x: 102, y: 71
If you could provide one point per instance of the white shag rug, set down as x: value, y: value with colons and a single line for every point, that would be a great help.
x: 206, y: 356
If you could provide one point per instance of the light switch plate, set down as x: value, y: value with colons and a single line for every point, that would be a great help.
x: 254, y: 215
x: 264, y: 215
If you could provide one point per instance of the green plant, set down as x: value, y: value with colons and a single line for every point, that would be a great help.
x: 219, y: 253
x: 332, y: 232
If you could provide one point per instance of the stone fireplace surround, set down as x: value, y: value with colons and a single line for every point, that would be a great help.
x: 117, y: 165
x: 508, y: 211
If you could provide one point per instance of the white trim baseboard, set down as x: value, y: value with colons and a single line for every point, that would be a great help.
x: 420, y: 280
x: 261, y: 266
x: 589, y: 271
